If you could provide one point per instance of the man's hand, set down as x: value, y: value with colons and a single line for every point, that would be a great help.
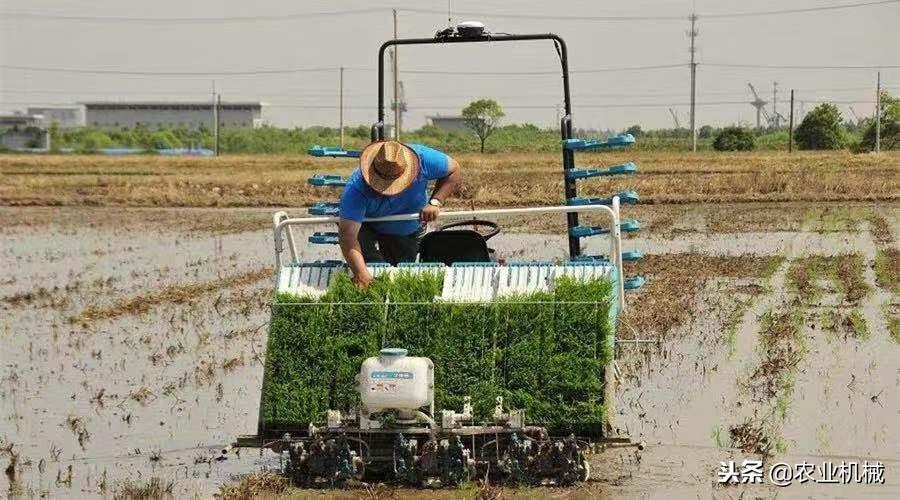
x: 429, y: 213
x: 363, y: 279
x: 348, y: 237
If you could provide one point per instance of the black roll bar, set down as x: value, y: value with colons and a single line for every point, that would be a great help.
x: 377, y: 132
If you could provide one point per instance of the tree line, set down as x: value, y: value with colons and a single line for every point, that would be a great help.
x: 822, y: 128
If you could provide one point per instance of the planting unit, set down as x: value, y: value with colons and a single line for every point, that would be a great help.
x: 455, y: 366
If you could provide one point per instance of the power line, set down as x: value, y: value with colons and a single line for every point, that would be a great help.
x: 612, y: 18
x: 511, y: 15
x: 799, y: 11
x: 171, y: 92
x: 329, y: 93
x: 279, y: 71
x: 361, y: 107
x: 255, y: 72
x: 168, y: 20
x: 548, y: 72
x: 295, y: 16
x: 275, y: 71
x: 799, y: 67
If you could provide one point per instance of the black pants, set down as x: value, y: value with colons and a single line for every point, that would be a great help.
x: 390, y: 248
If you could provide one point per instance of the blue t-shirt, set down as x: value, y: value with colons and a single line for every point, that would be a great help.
x: 359, y: 201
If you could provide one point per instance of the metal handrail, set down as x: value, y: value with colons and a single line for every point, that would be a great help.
x: 282, y: 224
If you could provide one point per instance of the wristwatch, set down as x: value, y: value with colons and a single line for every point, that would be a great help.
x: 435, y: 202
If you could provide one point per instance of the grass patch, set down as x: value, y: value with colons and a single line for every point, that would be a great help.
x: 894, y: 327
x: 845, y: 272
x: 172, y: 294
x: 256, y: 485
x: 857, y: 325
x: 887, y: 269
x: 839, y: 220
x: 772, y: 265
x: 543, y: 352
x: 669, y: 298
x: 734, y: 322
x: 830, y: 320
x: 153, y: 488
x: 782, y: 348
x: 880, y: 229
x: 891, y: 312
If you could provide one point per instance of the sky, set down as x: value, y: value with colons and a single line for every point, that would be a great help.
x: 270, y: 36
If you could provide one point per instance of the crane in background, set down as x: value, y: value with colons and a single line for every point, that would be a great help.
x: 675, y: 117
x: 856, y: 117
x: 760, y: 106
x: 773, y: 120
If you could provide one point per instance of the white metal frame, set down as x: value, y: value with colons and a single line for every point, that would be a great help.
x: 283, y: 225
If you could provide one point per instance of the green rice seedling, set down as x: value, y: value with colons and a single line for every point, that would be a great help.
x: 544, y: 352
x: 354, y: 333
x: 464, y: 356
x: 296, y: 358
x: 583, y: 325
x: 525, y: 334
x: 411, y: 312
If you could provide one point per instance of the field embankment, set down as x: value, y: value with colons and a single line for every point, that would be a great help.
x: 490, y: 180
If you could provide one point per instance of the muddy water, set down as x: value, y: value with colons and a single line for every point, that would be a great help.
x: 160, y: 390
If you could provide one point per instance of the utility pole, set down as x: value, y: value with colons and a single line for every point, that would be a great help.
x: 878, y: 112
x: 341, y: 106
x: 396, y: 85
x: 693, y: 35
x: 791, y: 126
x: 218, y: 107
x: 774, y: 99
x: 215, y: 120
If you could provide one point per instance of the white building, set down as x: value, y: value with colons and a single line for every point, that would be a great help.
x: 20, y: 132
x: 452, y: 123
x: 189, y: 115
x: 61, y: 116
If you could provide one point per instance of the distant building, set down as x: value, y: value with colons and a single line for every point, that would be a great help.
x: 21, y: 132
x: 189, y: 115
x: 61, y: 116
x: 452, y: 123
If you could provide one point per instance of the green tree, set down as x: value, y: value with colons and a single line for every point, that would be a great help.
x: 734, y: 139
x: 705, y: 132
x: 483, y: 116
x: 821, y: 129
x: 634, y: 130
x: 890, y: 125
x: 94, y: 140
x: 164, y: 139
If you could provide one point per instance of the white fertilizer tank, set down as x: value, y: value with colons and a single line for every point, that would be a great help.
x: 395, y: 381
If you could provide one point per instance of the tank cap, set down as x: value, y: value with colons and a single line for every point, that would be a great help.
x: 393, y: 351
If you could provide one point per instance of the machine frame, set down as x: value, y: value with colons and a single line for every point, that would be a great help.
x: 568, y: 155
x: 283, y: 225
x: 335, y: 453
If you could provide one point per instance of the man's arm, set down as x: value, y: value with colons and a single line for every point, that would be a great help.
x: 443, y: 188
x: 348, y: 237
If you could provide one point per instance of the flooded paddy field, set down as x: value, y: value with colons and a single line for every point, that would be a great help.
x: 133, y: 341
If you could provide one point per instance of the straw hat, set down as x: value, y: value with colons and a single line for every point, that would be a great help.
x: 389, y: 167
